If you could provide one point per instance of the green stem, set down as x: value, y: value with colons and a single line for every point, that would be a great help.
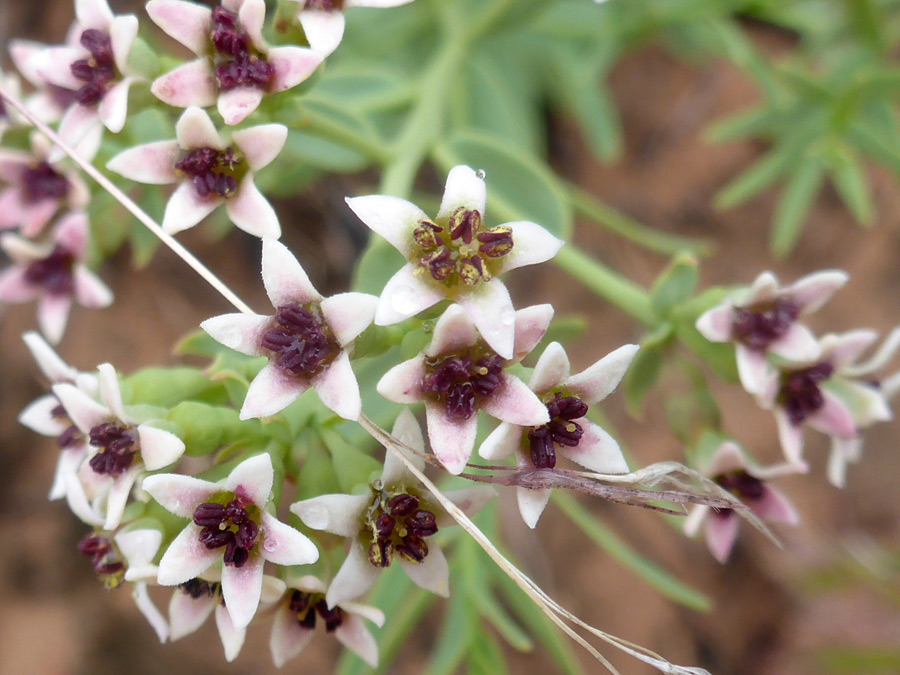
x: 608, y: 284
x: 322, y: 125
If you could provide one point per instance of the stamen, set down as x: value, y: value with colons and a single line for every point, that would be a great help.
x: 758, y: 326
x: 800, y: 394
x: 399, y: 525
x: 560, y: 430
x: 107, y: 563
x: 227, y: 525
x: 43, y: 182
x: 53, y: 273
x: 98, y: 71
x: 117, y: 448
x: 300, y: 340
x: 461, y: 382
x: 742, y: 485
x: 237, y: 64
x: 212, y: 171
x: 200, y: 588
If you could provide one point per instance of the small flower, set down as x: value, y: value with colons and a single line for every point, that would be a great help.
x: 455, y: 256
x: 458, y: 374
x: 763, y: 319
x: 730, y: 470
x: 209, y: 172
x: 323, y: 20
x: 229, y: 522
x: 235, y: 67
x: 122, y: 448
x: 394, y: 519
x: 307, y: 341
x: 303, y: 607
x: 568, y: 433
x: 53, y: 274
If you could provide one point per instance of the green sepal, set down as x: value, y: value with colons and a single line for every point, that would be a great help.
x: 690, y: 413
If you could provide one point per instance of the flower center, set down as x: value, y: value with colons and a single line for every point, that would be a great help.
x: 96, y: 71
x: 200, y: 588
x: 759, y: 325
x: 461, y: 250
x: 560, y: 430
x: 741, y: 484
x: 300, y: 340
x: 325, y: 5
x: 237, y: 64
x: 232, y: 525
x: 54, y: 272
x: 107, y: 563
x: 800, y: 394
x: 71, y: 436
x: 306, y: 605
x: 398, y: 525
x: 212, y: 171
x: 461, y: 382
x: 43, y: 182
x: 117, y: 445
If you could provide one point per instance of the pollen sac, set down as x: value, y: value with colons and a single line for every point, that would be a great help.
x: 300, y: 341
x: 237, y: 63
x: 42, y: 182
x: 741, y: 484
x: 758, y: 326
x: 399, y: 525
x: 560, y: 430
x: 306, y: 605
x: 212, y: 171
x: 324, y: 5
x: 427, y: 236
x: 800, y: 394
x: 55, y: 273
x: 200, y: 588
x: 496, y: 242
x: 463, y: 381
x: 117, y: 447
x: 98, y: 71
x: 232, y: 525
x: 108, y: 565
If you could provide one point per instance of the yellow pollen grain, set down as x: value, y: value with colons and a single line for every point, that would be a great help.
x: 483, y: 370
x: 570, y: 427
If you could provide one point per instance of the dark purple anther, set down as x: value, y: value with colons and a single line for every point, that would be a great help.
x: 333, y: 618
x: 464, y: 223
x: 299, y: 341
x: 209, y: 514
x: 800, y: 394
x: 496, y: 242
x: 198, y: 588
x: 560, y: 430
x: 543, y: 453
x: 43, y: 182
x: 211, y: 171
x: 439, y: 264
x: 98, y: 71
x: 93, y: 546
x: 460, y: 382
x: 325, y: 5
x: 117, y: 446
x: 400, y: 527
x: 54, y: 273
x: 758, y: 326
x: 422, y: 524
x: 742, y: 485
x: 402, y: 505
x: 236, y: 66
x: 228, y: 525
x: 412, y: 548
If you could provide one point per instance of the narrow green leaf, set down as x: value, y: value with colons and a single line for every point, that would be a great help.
x: 458, y: 630
x: 756, y: 178
x: 675, y: 285
x: 850, y: 182
x: 486, y: 656
x: 794, y: 204
x: 640, y: 377
x: 494, y: 613
x: 352, y: 466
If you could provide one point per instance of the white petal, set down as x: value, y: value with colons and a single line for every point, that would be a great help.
x: 292, y: 66
x: 159, y: 448
x: 90, y: 291
x: 727, y: 458
x: 531, y: 326
x: 432, y: 574
x: 78, y: 502
x: 110, y: 393
x: 453, y: 332
x: 187, y: 614
x: 251, y: 17
x: 348, y: 314
x: 180, y: 494
x: 285, y: 280
x: 717, y: 324
x: 253, y: 479
x: 77, y: 123
x: 596, y: 451
x: 452, y: 440
x: 241, y: 332
x: 53, y: 314
x: 354, y: 578
x: 814, y: 290
x: 721, y: 532
x: 122, y: 33
x: 271, y: 391
x: 235, y: 105
x: 260, y: 144
x: 403, y: 382
x: 551, y: 369
x: 117, y: 497
x: 532, y: 244
x: 491, y: 310
x: 406, y: 294
x: 464, y: 189
x: 114, y: 106
x: 764, y: 288
x: 798, y: 344
x: 532, y: 504
x: 187, y: 22
x: 84, y: 411
x: 790, y: 436
x: 38, y: 417
x: 146, y: 607
x: 336, y: 513
x: 753, y: 369
x: 323, y: 30
x: 186, y: 208
x: 241, y: 589
x: 232, y: 637
x: 152, y: 163
x: 54, y: 66
x: 694, y: 520
x: 53, y: 367
x: 337, y: 388
x: 288, y: 637
x: 599, y: 380
x: 94, y: 14
x: 251, y: 211
x: 843, y: 451
x: 515, y: 403
x: 833, y: 418
x: 191, y: 84
x: 390, y: 217
x: 469, y: 500
x: 407, y: 431
x: 501, y: 442
x: 195, y: 129
x: 354, y: 635
x: 283, y: 545
x: 846, y: 348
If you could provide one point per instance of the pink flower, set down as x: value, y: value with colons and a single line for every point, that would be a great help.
x: 303, y: 607
x: 122, y: 449
x: 455, y: 256
x: 730, y: 470
x: 209, y: 171
x: 394, y: 519
x: 762, y: 319
x: 229, y: 523
x: 323, y: 20
x: 458, y: 374
x: 569, y: 433
x: 53, y: 274
x: 307, y: 341
x: 95, y: 68
x: 37, y: 188
x: 235, y: 68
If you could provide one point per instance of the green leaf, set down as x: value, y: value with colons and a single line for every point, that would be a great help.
x: 641, y: 375
x: 166, y: 387
x: 493, y: 612
x: 760, y: 175
x: 458, y: 630
x: 675, y: 285
x: 849, y: 180
x: 486, y: 656
x: 317, y: 475
x: 378, y: 263
x: 149, y: 125
x: 206, y: 428
x: 351, y: 466
x: 794, y: 204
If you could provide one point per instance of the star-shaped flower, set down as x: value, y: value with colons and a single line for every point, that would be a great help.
x: 729, y: 468
x: 307, y: 340
x: 763, y: 319
x: 235, y: 68
x: 323, y: 20
x: 229, y: 523
x: 122, y: 447
x: 209, y: 171
x: 303, y: 607
x: 455, y: 256
x: 458, y: 374
x: 569, y: 433
x: 53, y: 274
x: 392, y: 520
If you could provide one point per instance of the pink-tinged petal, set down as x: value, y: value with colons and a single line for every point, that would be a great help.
x: 833, y: 418
x: 775, y: 507
x: 236, y: 104
x: 354, y: 578
x: 491, y: 310
x: 89, y: 290
x: 814, y: 290
x: 308, y: 583
x: 240, y: 332
x: 187, y: 22
x: 72, y: 233
x: 367, y: 612
x: 470, y: 500
x: 78, y: 502
x: 596, y: 451
x: 22, y: 53
x: 159, y: 448
x: 186, y: 557
x: 139, y: 547
x: 599, y: 380
x: 232, y: 637
x: 251, y: 211
x: 403, y: 382
x: 726, y: 459
x: 392, y: 218
x: 271, y: 391
x: 43, y: 106
x: 532, y: 244
x: 179, y: 494
x: 879, y: 359
x: 67, y: 469
x: 691, y: 524
x: 292, y: 66
x: 187, y: 614
x: 117, y: 497
x: 195, y: 129
x: 52, y: 315
x: 721, y: 533
x: 753, y: 369
x: 464, y: 189
x: 84, y: 411
x: 532, y: 504
x: 14, y: 287
x: 336, y: 513
x: 763, y: 289
x: 453, y: 332
x: 191, y: 84
x: 790, y: 436
x: 843, y: 451
x: 337, y: 388
x: 531, y: 326
x: 406, y: 294
x: 38, y: 416
x: 13, y: 164
x: 285, y: 280
x: 252, y: 479
x: 353, y: 634
x: 407, y: 431
x: 432, y: 574
x: 451, y: 440
x: 186, y: 208
x: 846, y: 348
x: 122, y: 32
x: 283, y: 545
x: 515, y: 403
x: 94, y: 14
x: 260, y: 144
x: 110, y: 392
x: 79, y: 195
x: 54, y: 65
x: 798, y: 344
x: 551, y: 369
x: 252, y: 16
x: 501, y: 442
x: 323, y: 30
x: 76, y: 125
x: 146, y: 607
x: 152, y: 163
x: 348, y: 314
x: 33, y: 217
x: 288, y: 637
x: 13, y: 211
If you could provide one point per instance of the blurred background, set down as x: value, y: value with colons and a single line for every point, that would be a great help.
x: 829, y: 602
